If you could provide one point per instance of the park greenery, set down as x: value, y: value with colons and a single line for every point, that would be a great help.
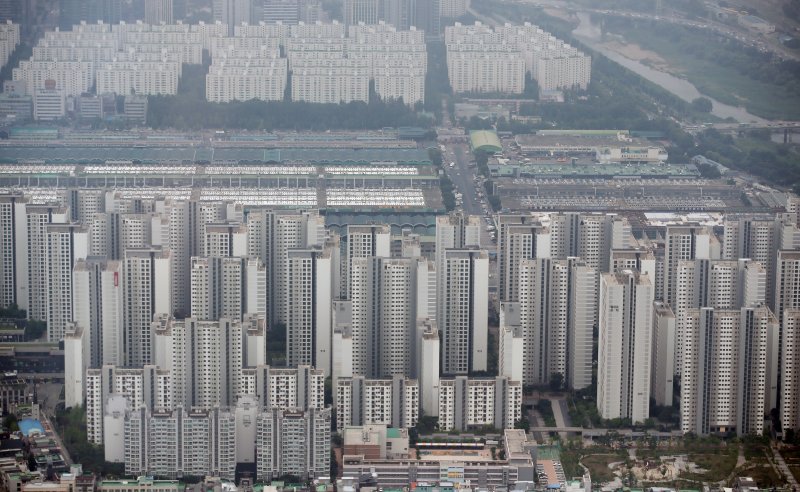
x: 71, y: 426
x: 34, y: 329
x: 720, y: 67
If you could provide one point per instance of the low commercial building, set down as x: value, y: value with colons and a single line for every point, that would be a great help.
x: 376, y: 442
x: 472, y: 468
x: 49, y: 105
x: 141, y: 484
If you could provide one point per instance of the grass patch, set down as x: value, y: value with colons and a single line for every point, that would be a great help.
x: 545, y: 409
x: 763, y: 473
x: 718, y: 466
x: 795, y: 469
x: 598, y: 465
x: 720, y: 68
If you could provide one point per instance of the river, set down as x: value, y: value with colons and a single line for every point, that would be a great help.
x: 590, y: 34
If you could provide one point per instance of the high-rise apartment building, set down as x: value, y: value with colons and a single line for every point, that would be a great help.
x: 180, y: 442
x: 227, y: 288
x: 719, y: 284
x: 555, y: 313
x: 12, y: 219
x: 463, y: 310
x: 301, y: 387
x: 232, y: 12
x: 290, y: 231
x: 309, y: 284
x: 454, y: 231
x: 148, y: 386
x: 98, y: 308
x: 662, y: 375
x: 32, y: 249
x: 388, y: 297
x: 759, y: 237
x: 206, y: 358
x: 147, y: 289
x: 625, y: 346
x: 362, y: 11
x: 363, y: 241
x: 731, y: 358
x: 294, y: 442
x: 685, y: 242
x: 789, y: 408
x: 466, y: 403
x: 393, y: 402
x: 66, y: 243
x: 158, y: 11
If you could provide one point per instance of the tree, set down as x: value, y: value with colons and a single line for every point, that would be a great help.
x: 556, y: 381
x: 10, y: 422
x: 522, y: 424
x: 709, y: 171
x: 702, y: 105
x: 12, y: 311
x: 35, y: 329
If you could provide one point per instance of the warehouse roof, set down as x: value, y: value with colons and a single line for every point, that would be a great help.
x: 485, y: 140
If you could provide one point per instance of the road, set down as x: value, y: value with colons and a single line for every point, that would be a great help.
x: 784, y: 469
x: 44, y: 417
x: 463, y: 178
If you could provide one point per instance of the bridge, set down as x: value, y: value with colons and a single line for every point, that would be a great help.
x: 557, y: 429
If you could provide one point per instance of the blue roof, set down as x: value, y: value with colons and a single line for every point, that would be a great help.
x: 30, y: 426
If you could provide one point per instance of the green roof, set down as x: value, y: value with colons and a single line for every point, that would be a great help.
x: 392, y: 433
x: 485, y: 140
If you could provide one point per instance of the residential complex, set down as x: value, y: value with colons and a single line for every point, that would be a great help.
x: 482, y: 59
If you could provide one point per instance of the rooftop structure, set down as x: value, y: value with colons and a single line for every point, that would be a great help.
x: 486, y: 141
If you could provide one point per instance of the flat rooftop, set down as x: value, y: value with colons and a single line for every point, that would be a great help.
x: 592, y: 140
x: 63, y: 154
x: 593, y: 170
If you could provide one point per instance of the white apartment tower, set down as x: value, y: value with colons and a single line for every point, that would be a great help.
x: 206, y: 358
x: 685, y: 242
x: 158, y: 11
x: 519, y: 237
x: 309, y: 284
x: 98, y: 308
x: 12, y: 219
x: 385, y: 309
x: 454, y: 231
x: 33, y: 252
x: 759, y: 238
x: 225, y: 240
x: 66, y: 243
x: 719, y: 284
x: 290, y: 231
x: 393, y: 402
x: 147, y: 290
x: 180, y: 442
x: 293, y: 441
x: 790, y: 372
x: 232, y: 12
x: 662, y: 374
x: 76, y: 362
x: 363, y: 241
x: 625, y: 346
x: 227, y: 288
x: 463, y: 310
x: 301, y: 387
x: 556, y: 313
x: 730, y: 360
x: 466, y: 403
x: 149, y: 386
